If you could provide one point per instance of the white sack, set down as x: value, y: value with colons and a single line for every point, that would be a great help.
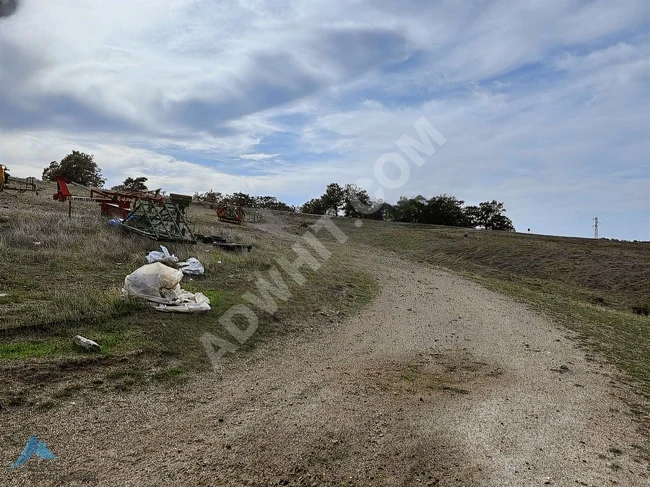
x: 153, y: 281
x: 164, y: 256
x: 200, y: 303
x: 192, y: 267
x: 159, y: 283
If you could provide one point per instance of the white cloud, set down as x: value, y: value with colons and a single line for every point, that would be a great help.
x: 258, y: 156
x: 23, y: 153
x: 540, y: 102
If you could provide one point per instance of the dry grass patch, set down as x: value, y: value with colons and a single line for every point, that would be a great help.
x: 70, y: 283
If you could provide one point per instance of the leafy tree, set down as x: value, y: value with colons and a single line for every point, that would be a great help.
x: 410, y: 210
x: 471, y: 215
x: 132, y: 185
x: 239, y: 199
x: 355, y: 199
x: 334, y: 198
x: 446, y: 210
x: 78, y: 167
x: 242, y: 199
x: 350, y: 199
x: 48, y: 172
x: 489, y: 215
x: 389, y: 212
x: 272, y: 203
x: 443, y: 209
x: 314, y: 206
x: 209, y: 197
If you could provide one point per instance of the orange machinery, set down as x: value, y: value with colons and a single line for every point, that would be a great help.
x: 15, y: 184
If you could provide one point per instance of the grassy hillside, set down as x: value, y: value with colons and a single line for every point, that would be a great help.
x: 612, y: 273
x: 63, y: 276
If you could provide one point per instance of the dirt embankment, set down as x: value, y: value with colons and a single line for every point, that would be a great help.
x: 438, y: 382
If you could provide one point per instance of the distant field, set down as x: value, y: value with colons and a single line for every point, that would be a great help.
x: 611, y: 273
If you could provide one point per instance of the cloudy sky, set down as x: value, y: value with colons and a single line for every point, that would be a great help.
x: 544, y: 105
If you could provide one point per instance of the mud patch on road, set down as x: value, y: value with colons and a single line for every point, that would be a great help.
x: 451, y: 371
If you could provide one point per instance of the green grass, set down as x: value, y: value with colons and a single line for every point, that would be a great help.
x: 68, y: 391
x: 173, y: 375
x: 178, y: 336
x: 28, y: 349
x: 69, y: 284
x: 615, y: 272
x: 219, y: 299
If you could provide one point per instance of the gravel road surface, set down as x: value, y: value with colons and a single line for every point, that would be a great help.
x: 438, y: 382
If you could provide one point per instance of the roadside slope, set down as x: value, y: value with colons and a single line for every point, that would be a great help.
x: 439, y: 381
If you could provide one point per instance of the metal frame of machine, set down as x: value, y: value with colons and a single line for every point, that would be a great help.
x: 17, y: 184
x: 113, y: 203
x: 164, y: 221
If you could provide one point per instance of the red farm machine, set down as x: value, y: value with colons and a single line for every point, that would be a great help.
x: 147, y: 213
x: 231, y: 214
x: 112, y: 203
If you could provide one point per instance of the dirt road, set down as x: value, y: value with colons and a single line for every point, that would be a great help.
x: 438, y: 382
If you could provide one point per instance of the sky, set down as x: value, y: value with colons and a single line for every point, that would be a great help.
x: 543, y: 105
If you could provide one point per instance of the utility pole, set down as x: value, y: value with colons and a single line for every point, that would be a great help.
x: 596, y: 228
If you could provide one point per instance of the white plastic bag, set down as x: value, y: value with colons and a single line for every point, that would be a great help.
x: 153, y: 281
x: 165, y: 257
x: 192, y: 267
x: 200, y: 303
x: 160, y: 284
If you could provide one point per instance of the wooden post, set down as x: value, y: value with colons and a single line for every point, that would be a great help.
x: 70, y: 208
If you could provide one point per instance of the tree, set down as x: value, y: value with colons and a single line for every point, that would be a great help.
x: 78, y: 167
x: 354, y: 200
x: 132, y: 185
x: 271, y: 203
x: 209, y: 197
x: 48, y: 172
x: 446, y: 210
x: 314, y: 206
x: 443, y: 209
x: 471, y: 216
x: 334, y: 197
x: 389, y: 212
x: 240, y: 199
x: 412, y: 210
x: 489, y: 215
